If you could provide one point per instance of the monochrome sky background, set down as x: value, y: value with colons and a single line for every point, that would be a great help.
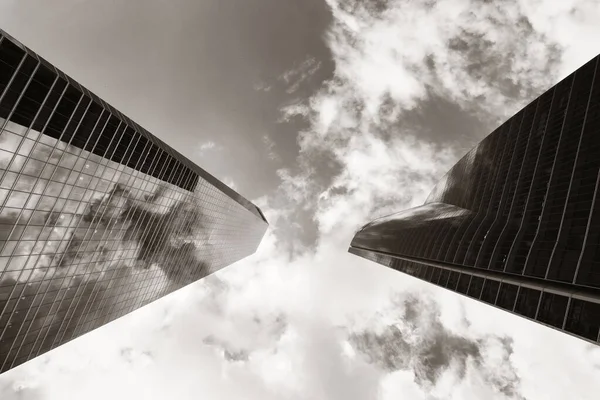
x: 325, y: 113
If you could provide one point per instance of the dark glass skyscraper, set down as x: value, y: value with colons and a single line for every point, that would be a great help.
x: 516, y: 222
x: 97, y: 216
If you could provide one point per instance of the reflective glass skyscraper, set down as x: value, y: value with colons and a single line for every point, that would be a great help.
x: 97, y: 216
x: 516, y: 222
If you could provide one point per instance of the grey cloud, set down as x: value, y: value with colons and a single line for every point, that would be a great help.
x: 217, y: 290
x: 131, y: 355
x: 229, y: 353
x: 271, y: 328
x: 503, y: 66
x: 421, y: 343
x: 329, y: 373
x: 507, y: 384
x: 12, y: 389
x: 241, y: 355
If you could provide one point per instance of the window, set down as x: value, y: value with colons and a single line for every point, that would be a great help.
x: 463, y: 283
x: 583, y: 319
x: 507, y: 296
x: 490, y: 290
x: 527, y: 302
x: 444, y: 278
x: 475, y: 287
x: 552, y: 309
x: 453, y: 280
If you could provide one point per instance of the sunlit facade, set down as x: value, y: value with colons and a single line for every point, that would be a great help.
x: 97, y: 216
x: 516, y: 222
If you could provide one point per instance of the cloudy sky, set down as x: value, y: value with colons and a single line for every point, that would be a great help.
x: 326, y: 113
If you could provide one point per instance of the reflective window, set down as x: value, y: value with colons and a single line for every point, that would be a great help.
x: 507, y: 296
x: 490, y: 291
x: 475, y: 287
x: 583, y: 319
x: 463, y: 283
x: 527, y: 302
x: 553, y: 309
x: 453, y: 280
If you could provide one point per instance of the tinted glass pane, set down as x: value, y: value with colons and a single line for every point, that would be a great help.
x: 453, y: 280
x: 527, y: 302
x: 435, y: 276
x: 507, y: 296
x: 583, y: 319
x: 552, y: 309
x: 490, y: 290
x: 444, y: 277
x: 475, y: 287
x: 463, y: 283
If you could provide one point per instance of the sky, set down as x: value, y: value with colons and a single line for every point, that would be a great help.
x: 326, y: 114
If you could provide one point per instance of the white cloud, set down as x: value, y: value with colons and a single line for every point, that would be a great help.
x: 472, y: 52
x: 206, y: 147
x: 270, y: 145
x: 379, y: 176
x: 296, y: 76
x: 262, y: 87
x: 294, y: 109
x: 570, y: 23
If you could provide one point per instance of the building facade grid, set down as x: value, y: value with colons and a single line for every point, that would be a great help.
x: 97, y: 217
x: 515, y: 223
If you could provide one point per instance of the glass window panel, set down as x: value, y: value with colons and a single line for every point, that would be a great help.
x: 26, y: 148
x: 463, y: 283
x: 527, y: 302
x: 25, y: 183
x: 32, y: 201
x: 475, y: 286
x: 583, y: 319
x: 8, y: 180
x: 507, y: 296
x: 16, y: 199
x: 10, y: 142
x: 553, y: 308
x: 490, y: 291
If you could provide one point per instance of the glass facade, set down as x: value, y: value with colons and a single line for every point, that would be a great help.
x: 516, y: 222
x: 97, y: 216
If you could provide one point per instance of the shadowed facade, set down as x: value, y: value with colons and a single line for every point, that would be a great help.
x: 97, y: 216
x: 516, y: 222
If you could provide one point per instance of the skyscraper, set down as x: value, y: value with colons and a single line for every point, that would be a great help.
x: 97, y: 216
x: 516, y: 222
